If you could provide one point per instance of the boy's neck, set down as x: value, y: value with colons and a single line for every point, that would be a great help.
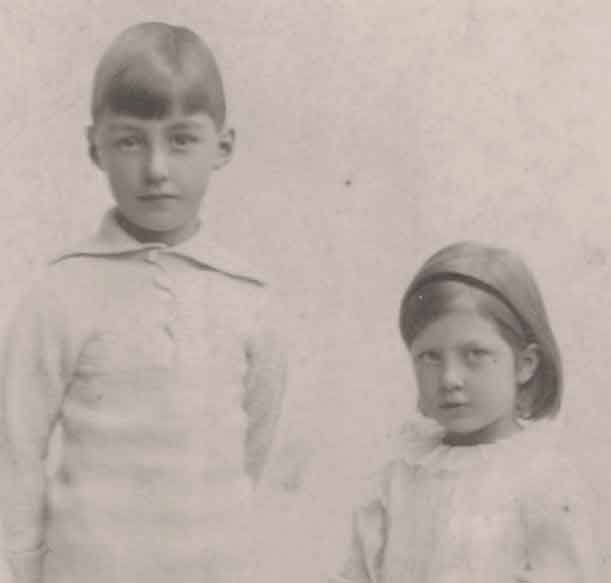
x: 170, y: 238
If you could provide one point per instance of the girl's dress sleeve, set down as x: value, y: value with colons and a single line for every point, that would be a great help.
x: 561, y: 545
x: 265, y: 385
x: 34, y: 372
x: 368, y: 538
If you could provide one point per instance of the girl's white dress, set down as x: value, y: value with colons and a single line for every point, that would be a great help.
x: 512, y: 511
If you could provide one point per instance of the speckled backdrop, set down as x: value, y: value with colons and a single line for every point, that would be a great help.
x: 369, y: 134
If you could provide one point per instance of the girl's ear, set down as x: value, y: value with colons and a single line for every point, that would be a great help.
x: 226, y: 146
x: 94, y: 154
x: 527, y: 363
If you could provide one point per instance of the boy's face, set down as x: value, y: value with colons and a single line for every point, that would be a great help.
x: 158, y: 169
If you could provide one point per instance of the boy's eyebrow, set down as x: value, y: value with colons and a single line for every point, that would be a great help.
x: 123, y: 126
x: 126, y: 125
x: 187, y: 125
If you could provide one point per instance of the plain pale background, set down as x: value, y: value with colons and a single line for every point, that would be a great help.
x: 369, y: 135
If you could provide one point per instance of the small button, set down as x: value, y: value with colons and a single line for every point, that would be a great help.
x: 165, y: 295
x: 168, y: 329
x: 153, y: 255
x: 162, y: 282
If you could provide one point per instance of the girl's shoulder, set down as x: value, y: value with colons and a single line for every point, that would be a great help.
x: 549, y: 467
x: 418, y: 438
x: 418, y: 441
x: 537, y: 449
x: 540, y: 448
x: 537, y: 467
x: 530, y: 463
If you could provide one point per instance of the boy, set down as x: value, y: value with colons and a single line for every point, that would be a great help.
x: 153, y: 349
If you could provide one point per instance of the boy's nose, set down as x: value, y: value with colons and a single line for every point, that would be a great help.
x: 157, y: 166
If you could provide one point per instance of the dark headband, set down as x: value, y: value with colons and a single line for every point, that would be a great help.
x: 472, y: 282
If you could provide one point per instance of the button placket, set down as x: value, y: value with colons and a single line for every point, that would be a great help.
x: 153, y: 255
x: 164, y: 286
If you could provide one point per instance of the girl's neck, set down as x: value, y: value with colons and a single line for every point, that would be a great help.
x: 489, y: 434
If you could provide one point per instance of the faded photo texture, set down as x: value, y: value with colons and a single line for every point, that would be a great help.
x: 369, y: 134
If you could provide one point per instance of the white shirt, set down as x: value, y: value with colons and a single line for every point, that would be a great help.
x: 165, y: 369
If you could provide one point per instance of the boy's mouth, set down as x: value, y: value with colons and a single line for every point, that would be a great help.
x: 453, y: 405
x: 157, y: 196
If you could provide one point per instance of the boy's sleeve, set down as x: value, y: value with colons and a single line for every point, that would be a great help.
x: 561, y: 543
x: 34, y: 367
x: 264, y: 385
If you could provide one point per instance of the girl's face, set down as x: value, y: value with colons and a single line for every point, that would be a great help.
x: 469, y: 376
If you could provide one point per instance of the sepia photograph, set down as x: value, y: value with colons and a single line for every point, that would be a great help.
x: 305, y: 292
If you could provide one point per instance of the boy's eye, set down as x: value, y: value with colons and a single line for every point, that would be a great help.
x: 429, y: 357
x: 128, y: 142
x: 182, y: 140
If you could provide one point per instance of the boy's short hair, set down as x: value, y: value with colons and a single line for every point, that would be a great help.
x: 152, y: 67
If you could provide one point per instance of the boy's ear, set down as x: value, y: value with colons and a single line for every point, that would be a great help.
x: 527, y: 363
x: 93, y: 148
x: 226, y: 146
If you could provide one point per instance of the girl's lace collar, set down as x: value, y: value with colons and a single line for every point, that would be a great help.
x: 422, y: 445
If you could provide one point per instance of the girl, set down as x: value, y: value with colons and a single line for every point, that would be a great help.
x: 485, y: 497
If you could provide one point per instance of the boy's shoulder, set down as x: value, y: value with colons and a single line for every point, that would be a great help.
x: 209, y: 256
x: 212, y: 255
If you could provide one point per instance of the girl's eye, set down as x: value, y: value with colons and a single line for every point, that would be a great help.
x: 183, y: 140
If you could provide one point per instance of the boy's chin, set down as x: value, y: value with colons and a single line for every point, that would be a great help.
x: 161, y: 231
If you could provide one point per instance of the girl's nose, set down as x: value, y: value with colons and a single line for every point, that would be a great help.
x: 157, y: 164
x: 452, y: 376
